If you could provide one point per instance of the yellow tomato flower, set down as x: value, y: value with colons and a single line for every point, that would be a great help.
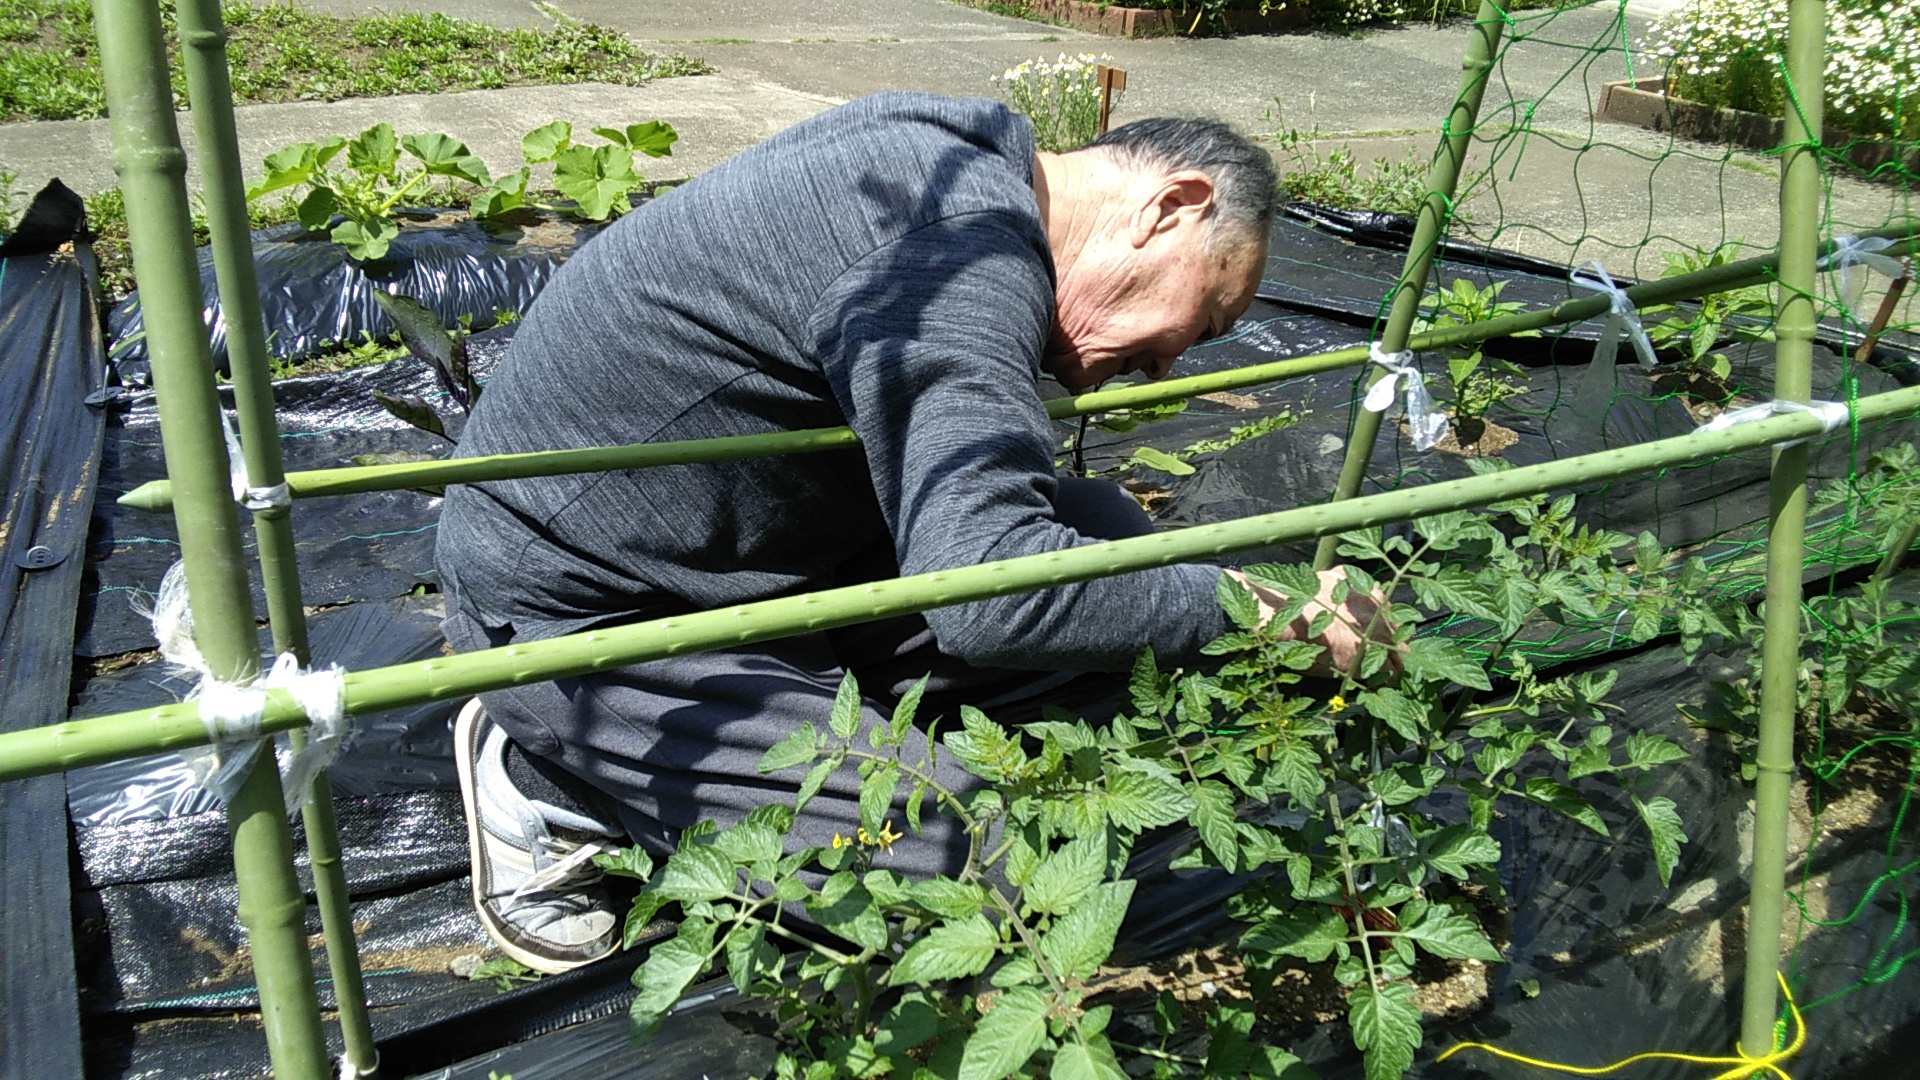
x: 1336, y: 703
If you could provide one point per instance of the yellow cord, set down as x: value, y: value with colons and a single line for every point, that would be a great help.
x: 1743, y: 1066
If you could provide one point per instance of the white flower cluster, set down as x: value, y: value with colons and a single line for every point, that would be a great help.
x: 1731, y: 52
x: 1061, y: 97
x: 1347, y: 14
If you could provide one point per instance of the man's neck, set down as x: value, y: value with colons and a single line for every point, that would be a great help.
x: 1064, y: 188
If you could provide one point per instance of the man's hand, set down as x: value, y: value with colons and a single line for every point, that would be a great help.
x: 1347, y: 636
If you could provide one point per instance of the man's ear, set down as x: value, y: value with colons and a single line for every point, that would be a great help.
x: 1180, y: 199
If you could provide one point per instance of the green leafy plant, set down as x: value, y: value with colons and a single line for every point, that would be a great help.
x: 364, y: 193
x: 1367, y: 882
x: 1740, y: 314
x: 1859, y: 662
x: 600, y: 179
x: 1180, y: 462
x: 443, y: 350
x: 1479, y: 382
x: 989, y: 972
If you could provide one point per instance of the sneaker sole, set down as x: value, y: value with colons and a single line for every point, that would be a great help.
x: 466, y: 746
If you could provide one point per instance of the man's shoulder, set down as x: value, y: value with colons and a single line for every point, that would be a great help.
x: 906, y: 146
x: 934, y: 116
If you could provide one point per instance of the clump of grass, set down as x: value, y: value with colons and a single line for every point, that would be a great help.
x: 50, y: 68
x: 13, y: 201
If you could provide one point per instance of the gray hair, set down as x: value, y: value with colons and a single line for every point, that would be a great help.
x: 1245, y: 183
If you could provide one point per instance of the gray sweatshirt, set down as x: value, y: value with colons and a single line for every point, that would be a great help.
x: 882, y: 265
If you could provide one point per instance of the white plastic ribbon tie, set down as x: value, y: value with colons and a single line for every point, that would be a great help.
x: 1852, y: 251
x: 1832, y: 414
x: 1424, y: 422
x: 253, y: 498
x: 232, y: 712
x: 1622, y: 316
x: 322, y: 695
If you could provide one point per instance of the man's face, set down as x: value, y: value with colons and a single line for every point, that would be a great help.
x: 1137, y: 308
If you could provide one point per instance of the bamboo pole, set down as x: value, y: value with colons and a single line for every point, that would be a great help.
x: 144, y: 731
x: 203, y: 40
x: 1800, y: 196
x: 1443, y: 177
x: 152, y: 169
x: 317, y: 483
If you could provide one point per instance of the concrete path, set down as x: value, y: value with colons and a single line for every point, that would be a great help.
x: 1570, y: 190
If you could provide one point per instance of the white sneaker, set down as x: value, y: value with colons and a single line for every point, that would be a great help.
x: 534, y: 883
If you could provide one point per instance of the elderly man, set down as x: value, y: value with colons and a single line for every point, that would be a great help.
x: 906, y: 265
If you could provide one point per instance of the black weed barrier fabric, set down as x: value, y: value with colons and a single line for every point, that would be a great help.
x: 353, y: 548
x: 313, y: 296
x: 51, y: 367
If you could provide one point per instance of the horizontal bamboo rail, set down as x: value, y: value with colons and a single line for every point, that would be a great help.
x: 316, y: 483
x: 107, y: 738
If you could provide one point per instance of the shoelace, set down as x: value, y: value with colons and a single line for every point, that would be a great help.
x: 574, y: 869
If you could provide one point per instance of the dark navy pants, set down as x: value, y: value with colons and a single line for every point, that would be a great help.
x: 676, y: 741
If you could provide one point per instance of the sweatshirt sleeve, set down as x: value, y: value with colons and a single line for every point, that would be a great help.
x: 931, y: 344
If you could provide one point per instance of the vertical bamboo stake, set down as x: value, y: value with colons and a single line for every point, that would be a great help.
x: 1442, y: 178
x: 1888, y: 305
x: 1110, y: 80
x: 203, y: 39
x: 152, y: 169
x: 1793, y: 381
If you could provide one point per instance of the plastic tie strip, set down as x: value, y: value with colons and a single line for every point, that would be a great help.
x: 1832, y: 415
x: 253, y: 498
x: 1622, y: 316
x: 1744, y: 1066
x: 232, y: 712
x: 1424, y: 422
x: 1593, y: 397
x: 1850, y: 252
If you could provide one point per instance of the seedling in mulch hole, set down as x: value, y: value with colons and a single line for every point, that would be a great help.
x: 1479, y: 381
x: 600, y: 179
x: 365, y: 193
x: 1736, y: 313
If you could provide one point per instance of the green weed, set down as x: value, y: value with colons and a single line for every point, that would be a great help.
x: 1336, y: 177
